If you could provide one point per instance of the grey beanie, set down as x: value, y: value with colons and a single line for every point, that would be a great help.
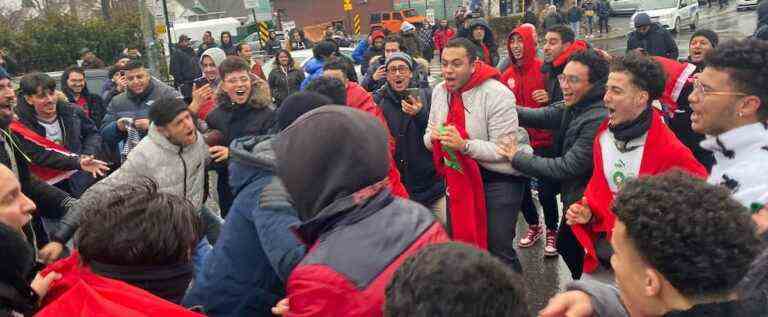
x: 642, y: 19
x: 402, y: 57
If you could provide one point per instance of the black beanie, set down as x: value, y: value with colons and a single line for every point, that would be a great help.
x: 298, y: 104
x: 165, y: 110
x: 708, y: 34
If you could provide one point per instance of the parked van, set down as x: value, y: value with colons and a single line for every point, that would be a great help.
x: 671, y: 14
x: 393, y: 19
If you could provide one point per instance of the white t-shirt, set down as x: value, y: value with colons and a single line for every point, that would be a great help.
x: 617, y: 166
x: 53, y: 131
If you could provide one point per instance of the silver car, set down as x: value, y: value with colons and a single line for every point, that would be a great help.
x: 624, y: 7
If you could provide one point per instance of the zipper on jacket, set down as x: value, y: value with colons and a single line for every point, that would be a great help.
x: 184, y: 164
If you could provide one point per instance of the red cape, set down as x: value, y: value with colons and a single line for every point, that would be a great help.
x: 663, y: 151
x: 46, y: 174
x: 677, y: 77
x: 81, y: 292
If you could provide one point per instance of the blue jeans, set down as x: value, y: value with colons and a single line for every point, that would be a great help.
x: 576, y: 26
x: 502, y: 202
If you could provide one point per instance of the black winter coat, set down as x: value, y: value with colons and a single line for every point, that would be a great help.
x: 282, y: 84
x: 413, y: 160
x: 576, y: 128
x: 81, y: 136
x: 184, y: 66
x: 656, y: 42
x: 234, y: 121
x: 96, y: 106
x: 489, y: 41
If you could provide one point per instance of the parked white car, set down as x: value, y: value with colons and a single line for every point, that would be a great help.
x: 747, y: 4
x: 671, y: 14
x: 619, y: 7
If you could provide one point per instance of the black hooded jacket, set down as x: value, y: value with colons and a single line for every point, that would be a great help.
x: 656, y: 42
x: 576, y: 127
x: 16, y: 270
x: 81, y: 136
x: 761, y: 31
x: 94, y: 104
x: 488, y: 41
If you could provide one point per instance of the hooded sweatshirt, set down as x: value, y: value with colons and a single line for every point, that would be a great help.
x: 488, y: 45
x: 357, y: 233
x: 217, y: 55
x: 524, y: 77
x: 761, y: 32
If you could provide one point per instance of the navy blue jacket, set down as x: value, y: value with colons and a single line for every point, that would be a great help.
x: 245, y: 273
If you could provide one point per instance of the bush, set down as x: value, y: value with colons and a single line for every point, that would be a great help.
x: 53, y: 41
x: 502, y: 26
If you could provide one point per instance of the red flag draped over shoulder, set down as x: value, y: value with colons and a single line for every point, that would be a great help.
x: 662, y: 152
x: 80, y: 292
x: 466, y: 194
x: 46, y: 174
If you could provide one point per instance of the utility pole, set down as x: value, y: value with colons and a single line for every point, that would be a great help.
x: 167, y: 26
x: 148, y: 34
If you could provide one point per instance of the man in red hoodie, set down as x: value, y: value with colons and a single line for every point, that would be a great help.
x: 525, y: 79
x: 356, y: 97
x: 471, y: 114
x: 632, y: 142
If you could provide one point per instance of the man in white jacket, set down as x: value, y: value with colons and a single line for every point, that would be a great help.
x: 471, y: 113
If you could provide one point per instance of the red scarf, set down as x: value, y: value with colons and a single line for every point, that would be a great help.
x: 49, y: 175
x: 662, y: 152
x: 486, y: 54
x: 466, y: 203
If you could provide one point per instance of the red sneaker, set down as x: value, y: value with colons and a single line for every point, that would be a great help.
x: 533, y: 235
x: 550, y: 249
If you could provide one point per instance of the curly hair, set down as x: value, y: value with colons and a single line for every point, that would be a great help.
x: 597, y: 64
x: 454, y: 279
x: 746, y: 62
x: 135, y: 225
x: 330, y: 87
x: 646, y: 73
x: 694, y: 233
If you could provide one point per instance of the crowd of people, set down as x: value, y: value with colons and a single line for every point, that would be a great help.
x: 385, y: 195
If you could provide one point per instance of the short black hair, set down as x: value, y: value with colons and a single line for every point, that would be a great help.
x: 112, y: 70
x: 455, y: 279
x: 330, y: 87
x: 164, y: 110
x: 297, y: 104
x: 472, y: 50
x: 133, y: 224
x: 645, y: 72
x: 324, y: 49
x: 566, y: 33
x: 597, y: 64
x: 746, y: 62
x: 233, y: 64
x: 394, y: 38
x: 32, y: 82
x: 337, y: 64
x: 693, y: 233
x: 134, y: 64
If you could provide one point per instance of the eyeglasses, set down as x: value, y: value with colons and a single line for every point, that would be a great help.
x: 400, y: 69
x: 571, y: 80
x: 699, y: 89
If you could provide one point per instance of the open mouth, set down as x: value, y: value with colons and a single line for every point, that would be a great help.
x: 240, y: 92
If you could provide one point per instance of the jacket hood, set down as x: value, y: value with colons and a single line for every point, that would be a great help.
x: 218, y: 55
x: 343, y: 150
x: 313, y: 65
x: 482, y: 73
x: 250, y: 156
x: 489, y: 40
x: 527, y: 32
x: 577, y: 46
